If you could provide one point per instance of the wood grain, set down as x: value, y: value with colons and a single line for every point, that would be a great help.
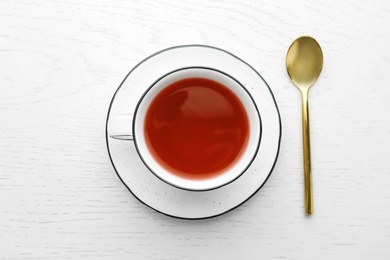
x: 61, y: 62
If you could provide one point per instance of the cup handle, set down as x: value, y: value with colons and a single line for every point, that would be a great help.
x: 121, y: 127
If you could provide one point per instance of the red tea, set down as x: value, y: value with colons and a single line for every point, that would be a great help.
x: 196, y: 128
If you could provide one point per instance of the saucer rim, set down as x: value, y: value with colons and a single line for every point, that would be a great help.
x: 278, y: 143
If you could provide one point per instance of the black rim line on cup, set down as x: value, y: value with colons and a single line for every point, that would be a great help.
x: 182, y: 69
x: 186, y: 46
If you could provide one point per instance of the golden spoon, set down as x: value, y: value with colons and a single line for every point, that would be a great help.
x: 304, y: 64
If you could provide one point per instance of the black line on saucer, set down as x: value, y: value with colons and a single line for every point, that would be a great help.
x: 279, y: 141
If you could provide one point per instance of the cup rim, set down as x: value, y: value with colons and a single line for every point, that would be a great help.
x: 183, y: 187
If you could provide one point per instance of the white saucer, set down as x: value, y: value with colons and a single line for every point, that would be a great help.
x: 162, y: 197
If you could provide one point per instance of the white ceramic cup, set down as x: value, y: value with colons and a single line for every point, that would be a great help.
x: 121, y: 131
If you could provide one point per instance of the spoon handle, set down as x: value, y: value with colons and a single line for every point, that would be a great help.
x: 306, y: 154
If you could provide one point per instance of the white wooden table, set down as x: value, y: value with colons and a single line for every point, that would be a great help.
x: 61, y: 62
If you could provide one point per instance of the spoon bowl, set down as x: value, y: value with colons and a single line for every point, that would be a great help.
x: 304, y: 61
